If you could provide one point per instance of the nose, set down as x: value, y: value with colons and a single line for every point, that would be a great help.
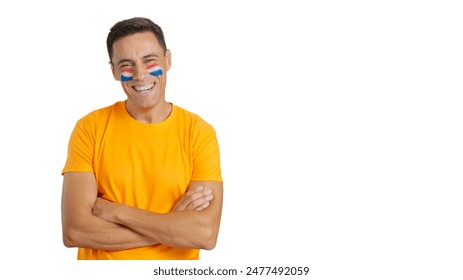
x: 140, y: 72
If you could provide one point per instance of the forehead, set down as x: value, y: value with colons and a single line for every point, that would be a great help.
x: 136, y: 46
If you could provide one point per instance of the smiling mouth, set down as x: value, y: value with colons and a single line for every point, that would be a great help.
x: 144, y: 88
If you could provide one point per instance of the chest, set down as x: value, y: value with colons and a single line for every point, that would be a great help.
x: 147, y: 169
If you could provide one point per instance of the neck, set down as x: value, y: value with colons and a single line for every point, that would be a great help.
x: 150, y: 115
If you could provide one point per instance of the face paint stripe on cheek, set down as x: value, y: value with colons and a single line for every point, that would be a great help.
x: 154, y: 69
x: 127, y: 75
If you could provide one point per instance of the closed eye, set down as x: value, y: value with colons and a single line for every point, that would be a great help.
x: 150, y: 61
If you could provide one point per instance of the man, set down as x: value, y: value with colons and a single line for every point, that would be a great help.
x: 142, y: 179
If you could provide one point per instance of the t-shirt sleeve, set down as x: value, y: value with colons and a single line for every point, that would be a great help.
x: 206, y: 155
x: 81, y: 147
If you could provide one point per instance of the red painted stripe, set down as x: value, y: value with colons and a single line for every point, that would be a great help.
x: 152, y: 65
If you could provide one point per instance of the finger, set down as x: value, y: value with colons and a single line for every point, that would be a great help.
x: 196, y: 199
x: 199, y: 201
x: 204, y: 206
x: 197, y: 195
x: 187, y: 198
x: 180, y: 204
x: 179, y: 207
x: 189, y: 193
x: 193, y: 191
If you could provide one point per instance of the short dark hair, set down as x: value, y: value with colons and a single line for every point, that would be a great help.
x: 131, y: 26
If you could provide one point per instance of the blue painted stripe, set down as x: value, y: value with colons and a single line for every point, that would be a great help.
x: 125, y: 78
x: 156, y: 73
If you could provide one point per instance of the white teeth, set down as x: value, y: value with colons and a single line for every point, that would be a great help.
x: 143, y: 88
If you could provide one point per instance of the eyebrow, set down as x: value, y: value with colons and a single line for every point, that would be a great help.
x: 130, y: 61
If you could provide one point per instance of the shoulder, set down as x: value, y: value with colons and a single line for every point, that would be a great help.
x: 99, y: 115
x: 192, y: 119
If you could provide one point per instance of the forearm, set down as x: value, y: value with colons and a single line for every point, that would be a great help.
x: 185, y: 229
x: 97, y: 233
x: 81, y: 228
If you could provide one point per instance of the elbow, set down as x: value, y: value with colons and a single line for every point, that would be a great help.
x: 68, y: 243
x: 210, y: 244
x: 69, y: 239
x: 208, y: 241
x: 209, y: 237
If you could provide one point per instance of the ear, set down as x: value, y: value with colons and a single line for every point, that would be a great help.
x: 116, y: 77
x: 168, y: 59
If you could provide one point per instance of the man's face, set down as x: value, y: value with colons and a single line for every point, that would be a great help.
x: 140, y: 64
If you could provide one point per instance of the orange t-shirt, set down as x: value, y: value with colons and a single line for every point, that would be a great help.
x: 148, y: 166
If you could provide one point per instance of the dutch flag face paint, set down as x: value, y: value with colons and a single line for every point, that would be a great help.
x: 154, y: 69
x: 127, y: 75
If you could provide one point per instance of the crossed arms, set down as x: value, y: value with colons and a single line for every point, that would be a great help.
x: 92, y: 222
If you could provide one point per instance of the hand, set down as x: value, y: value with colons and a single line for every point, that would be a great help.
x: 102, y: 208
x: 197, y: 198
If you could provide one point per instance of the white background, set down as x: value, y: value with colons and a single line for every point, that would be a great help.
x: 339, y: 122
